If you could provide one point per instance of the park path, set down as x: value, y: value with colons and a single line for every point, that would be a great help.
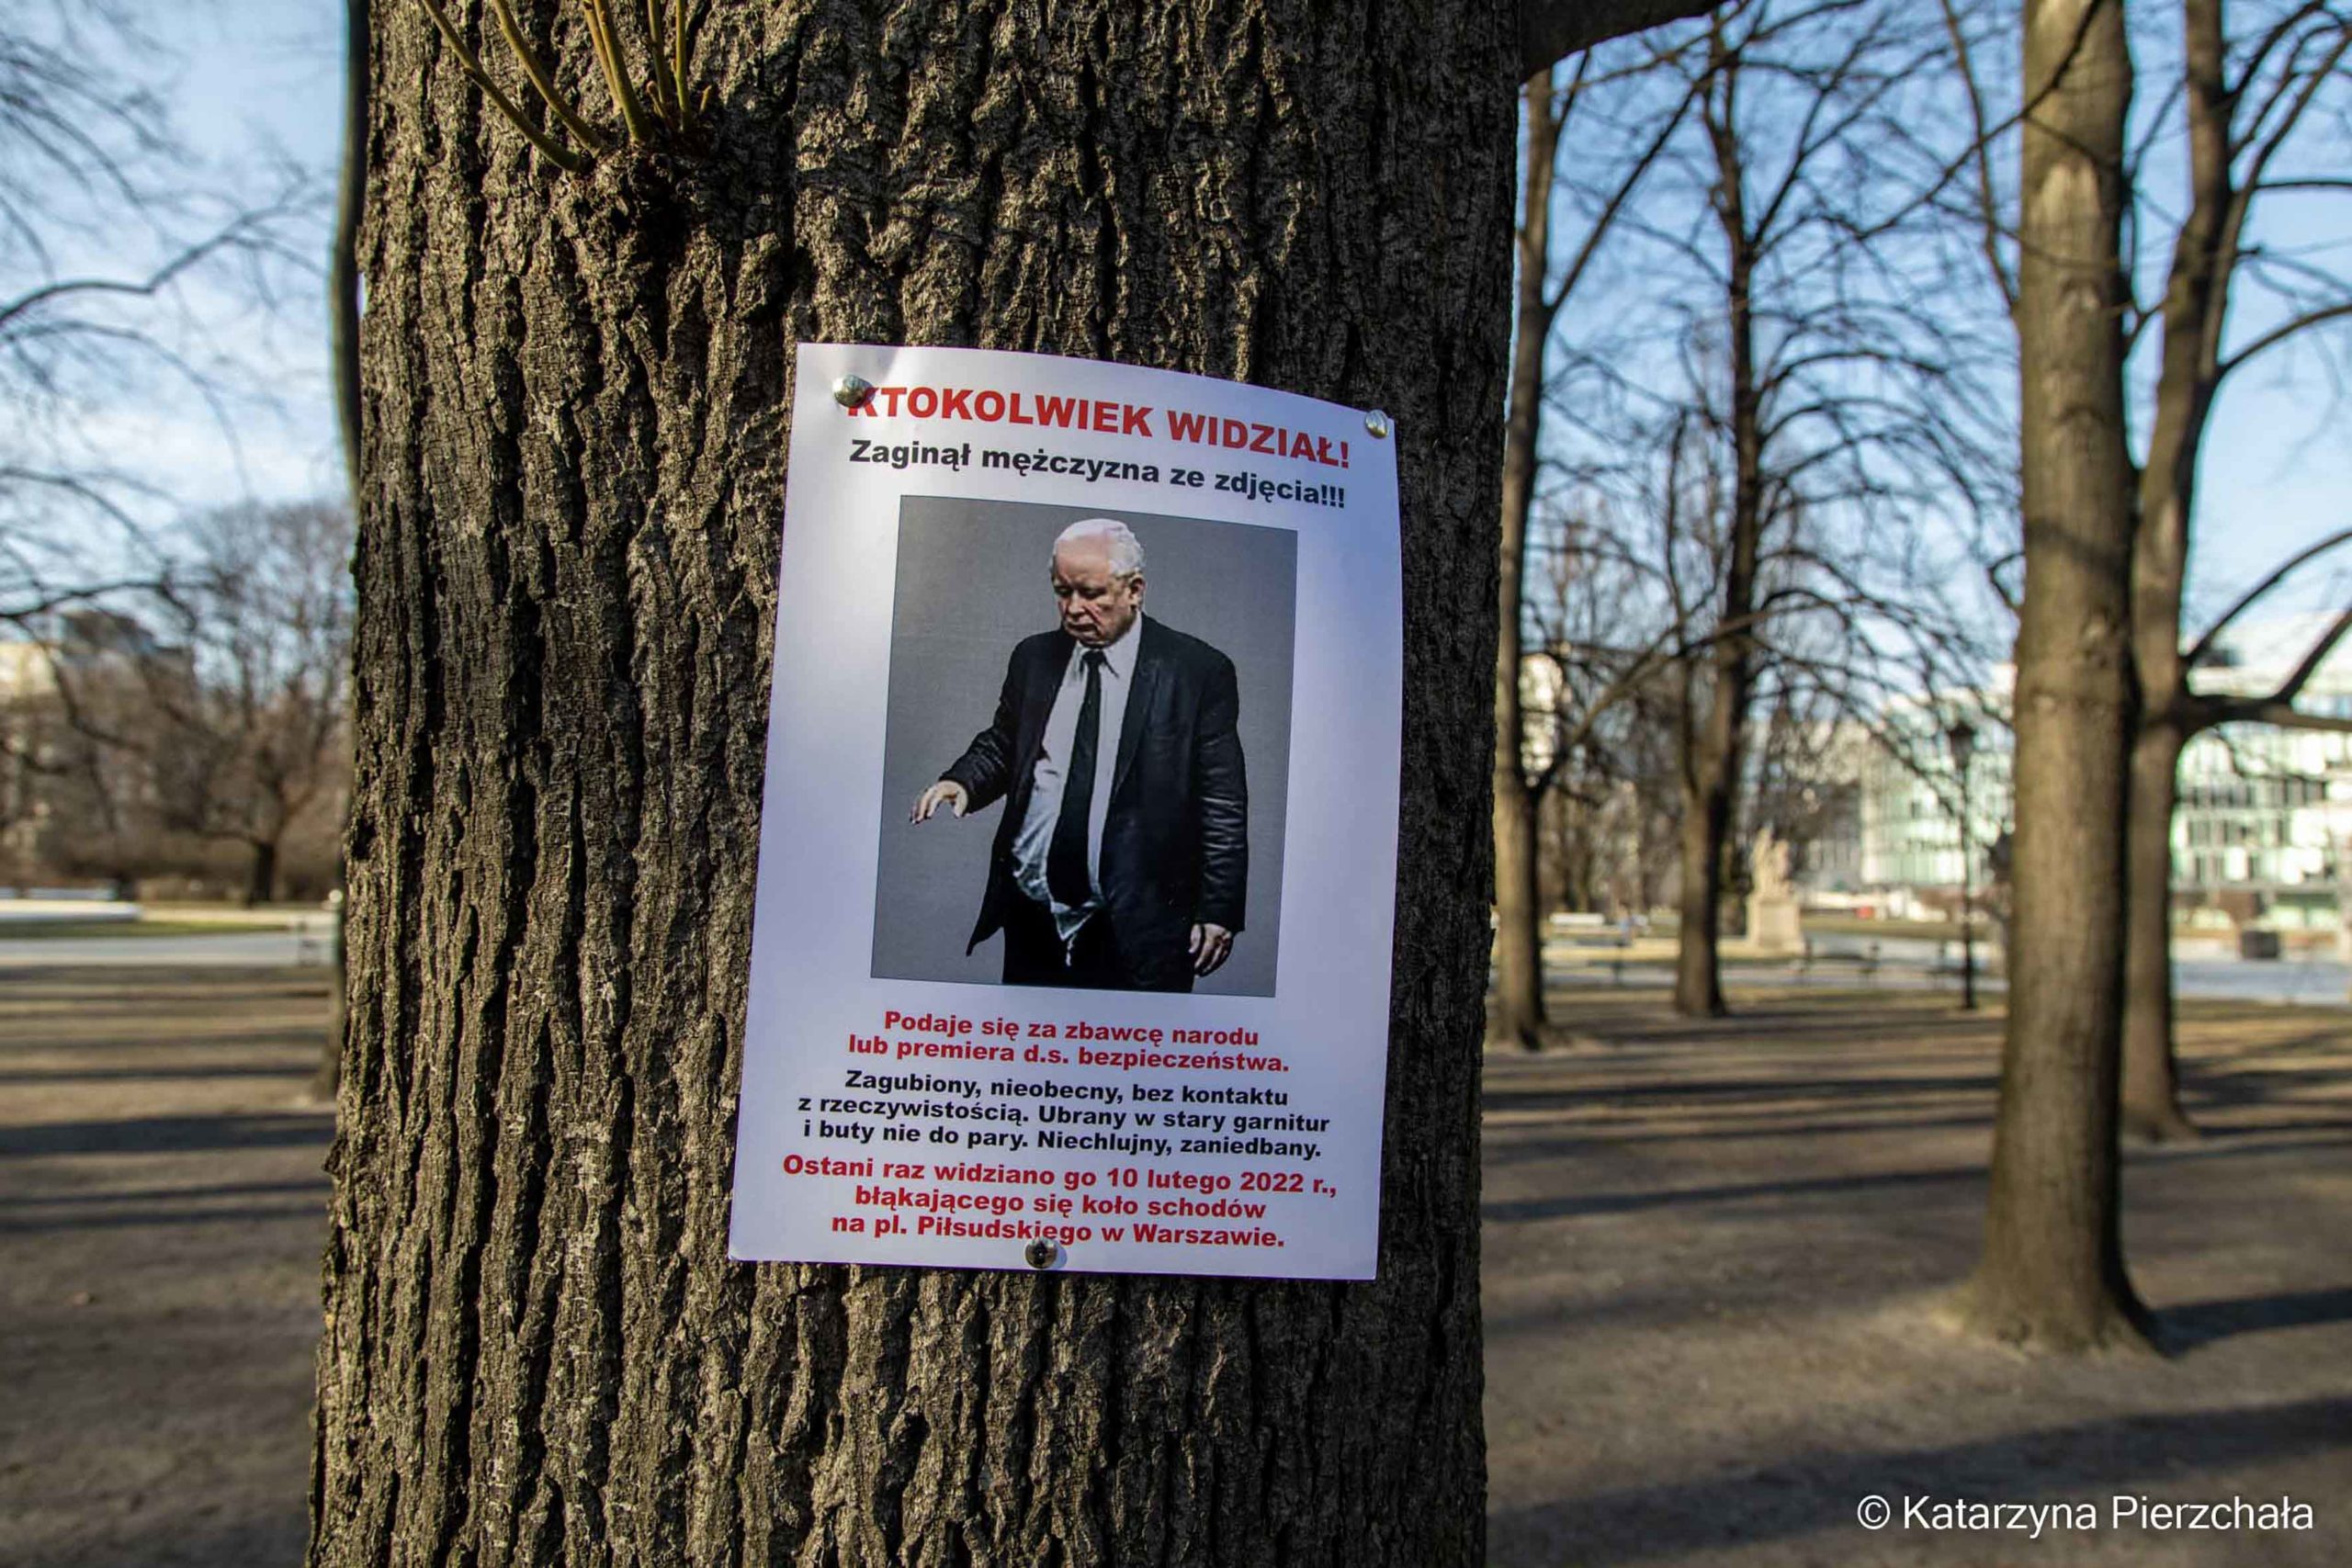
x: 299, y: 941
x: 2201, y: 970
x: 1711, y: 1254
x: 161, y: 1212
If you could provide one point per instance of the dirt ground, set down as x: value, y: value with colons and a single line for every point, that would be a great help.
x: 1713, y: 1259
x: 161, y: 1212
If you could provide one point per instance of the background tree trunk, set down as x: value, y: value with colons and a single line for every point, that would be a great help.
x: 1698, y: 973
x: 2053, y: 1273
x: 343, y: 345
x: 1710, y: 795
x: 261, y: 873
x: 535, y: 1350
x: 2151, y: 1107
x: 1518, y: 1017
x: 2195, y: 302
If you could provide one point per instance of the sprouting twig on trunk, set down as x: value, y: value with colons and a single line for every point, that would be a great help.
x: 674, y: 107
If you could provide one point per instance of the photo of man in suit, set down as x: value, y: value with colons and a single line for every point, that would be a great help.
x: 1122, y: 859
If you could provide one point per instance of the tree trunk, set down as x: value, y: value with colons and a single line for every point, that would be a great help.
x: 260, y: 875
x: 2151, y: 1107
x: 536, y: 1350
x: 1697, y: 970
x: 1518, y: 1017
x: 1713, y: 776
x: 343, y: 339
x: 2196, y: 294
x: 342, y: 252
x: 326, y: 1081
x: 2053, y: 1274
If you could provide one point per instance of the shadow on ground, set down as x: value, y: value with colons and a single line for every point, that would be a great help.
x: 1716, y: 1253
x: 162, y: 1213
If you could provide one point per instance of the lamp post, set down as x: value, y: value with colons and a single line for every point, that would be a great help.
x: 1961, y: 737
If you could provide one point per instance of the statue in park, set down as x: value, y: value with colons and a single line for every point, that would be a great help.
x: 1768, y: 866
x: 1772, y: 925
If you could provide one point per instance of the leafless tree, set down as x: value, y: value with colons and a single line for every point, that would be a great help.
x: 260, y: 737
x: 1552, y: 262
x: 564, y: 552
x: 1811, y: 405
x: 2053, y: 1274
x: 2262, y: 93
x: 1626, y: 620
x: 1597, y: 691
x: 129, y: 275
x: 117, y: 255
x: 2250, y: 98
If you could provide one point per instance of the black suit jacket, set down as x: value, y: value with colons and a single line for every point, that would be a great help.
x: 1175, y: 846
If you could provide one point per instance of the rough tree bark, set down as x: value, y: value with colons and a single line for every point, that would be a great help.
x: 536, y: 1351
x: 2053, y: 1274
x: 1519, y: 1017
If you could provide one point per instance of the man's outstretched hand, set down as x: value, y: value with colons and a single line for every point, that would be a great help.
x: 1210, y: 947
x: 950, y: 793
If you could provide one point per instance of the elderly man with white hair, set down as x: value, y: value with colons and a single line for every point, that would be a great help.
x: 1123, y: 858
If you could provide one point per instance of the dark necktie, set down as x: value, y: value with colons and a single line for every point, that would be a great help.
x: 1066, y: 877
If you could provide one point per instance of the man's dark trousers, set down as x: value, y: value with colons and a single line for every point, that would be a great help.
x: 1034, y: 954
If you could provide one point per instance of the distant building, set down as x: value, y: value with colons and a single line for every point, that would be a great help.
x: 2264, y: 826
x: 1910, y: 796
x: 28, y: 672
x: 2263, y: 831
x: 67, y: 792
x: 85, y: 644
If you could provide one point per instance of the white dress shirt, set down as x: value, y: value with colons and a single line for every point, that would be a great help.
x: 1031, y: 845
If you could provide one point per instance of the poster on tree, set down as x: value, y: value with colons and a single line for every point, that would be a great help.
x: 1076, y: 867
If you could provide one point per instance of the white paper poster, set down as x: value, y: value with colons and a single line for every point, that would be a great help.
x: 1078, y: 852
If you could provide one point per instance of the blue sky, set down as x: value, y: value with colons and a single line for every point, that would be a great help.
x: 252, y: 80
x: 267, y: 73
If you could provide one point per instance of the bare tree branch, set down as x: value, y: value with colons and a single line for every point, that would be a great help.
x: 1980, y: 151
x: 2292, y: 686
x: 2261, y: 710
x: 2245, y: 601
x: 1551, y: 31
x: 2281, y: 333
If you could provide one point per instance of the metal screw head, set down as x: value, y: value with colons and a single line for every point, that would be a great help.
x: 1378, y: 422
x: 1043, y: 1254
x: 851, y: 391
